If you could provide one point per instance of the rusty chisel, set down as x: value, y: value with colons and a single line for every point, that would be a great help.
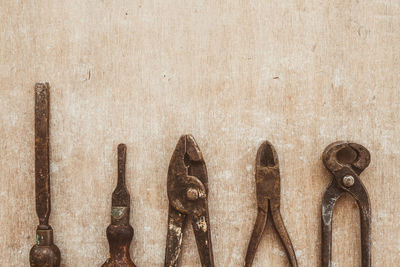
x: 44, y: 253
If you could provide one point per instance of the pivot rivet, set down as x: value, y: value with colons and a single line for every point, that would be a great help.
x: 348, y: 180
x: 192, y: 194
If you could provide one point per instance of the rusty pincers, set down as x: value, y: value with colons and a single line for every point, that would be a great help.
x: 346, y: 161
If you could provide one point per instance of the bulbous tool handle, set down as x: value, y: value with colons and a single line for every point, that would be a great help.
x: 44, y: 253
x: 119, y: 237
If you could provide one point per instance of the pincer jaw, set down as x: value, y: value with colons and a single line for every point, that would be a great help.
x: 267, y: 176
x: 341, y: 154
x: 267, y: 156
x: 186, y: 151
x: 192, y: 150
x: 364, y: 157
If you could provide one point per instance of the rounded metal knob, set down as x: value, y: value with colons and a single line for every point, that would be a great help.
x: 192, y: 194
x: 348, y: 180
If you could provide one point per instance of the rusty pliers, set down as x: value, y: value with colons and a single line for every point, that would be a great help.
x: 346, y: 161
x: 268, y: 187
x: 187, y: 186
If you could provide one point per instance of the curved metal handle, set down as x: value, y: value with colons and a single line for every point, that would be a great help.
x: 283, y: 235
x: 332, y: 194
x: 255, y: 239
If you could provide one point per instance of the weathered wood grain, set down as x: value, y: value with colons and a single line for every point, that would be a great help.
x: 301, y: 74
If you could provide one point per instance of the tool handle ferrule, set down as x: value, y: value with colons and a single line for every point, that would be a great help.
x: 44, y: 253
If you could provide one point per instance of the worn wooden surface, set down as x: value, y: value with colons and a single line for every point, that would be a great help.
x: 301, y: 74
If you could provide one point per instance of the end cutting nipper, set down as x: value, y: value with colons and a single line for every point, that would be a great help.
x: 346, y: 161
x: 268, y: 189
x: 187, y: 186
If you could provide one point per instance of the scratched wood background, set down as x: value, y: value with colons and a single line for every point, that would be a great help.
x: 301, y: 74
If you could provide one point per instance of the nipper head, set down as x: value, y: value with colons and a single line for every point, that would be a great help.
x: 268, y: 179
x: 187, y: 178
x: 341, y: 156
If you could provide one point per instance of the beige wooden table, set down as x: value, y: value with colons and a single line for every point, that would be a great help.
x: 301, y: 74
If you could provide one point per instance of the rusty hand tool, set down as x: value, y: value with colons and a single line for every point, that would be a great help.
x: 120, y: 232
x: 268, y: 188
x: 187, y: 193
x: 346, y: 161
x: 44, y: 253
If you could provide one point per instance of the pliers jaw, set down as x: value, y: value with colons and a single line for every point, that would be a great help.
x: 187, y: 178
x: 267, y: 177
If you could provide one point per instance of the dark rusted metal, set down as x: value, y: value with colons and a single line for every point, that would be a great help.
x: 120, y: 232
x: 268, y: 188
x: 187, y: 193
x: 44, y: 253
x: 346, y: 161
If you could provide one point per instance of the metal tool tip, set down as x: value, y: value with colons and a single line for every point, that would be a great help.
x: 192, y: 148
x: 187, y: 138
x: 266, y: 155
x: 121, y: 147
x: 41, y: 87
